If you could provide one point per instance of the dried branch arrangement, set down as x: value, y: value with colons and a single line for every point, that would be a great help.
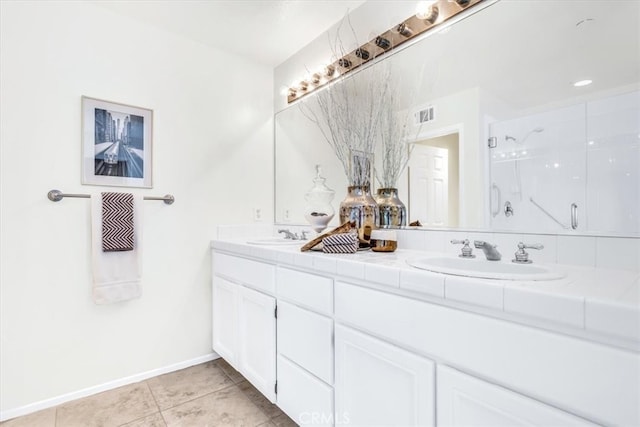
x: 349, y: 113
x: 395, y: 150
x: 359, y: 112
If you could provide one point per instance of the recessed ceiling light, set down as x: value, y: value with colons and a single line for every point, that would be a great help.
x: 581, y: 83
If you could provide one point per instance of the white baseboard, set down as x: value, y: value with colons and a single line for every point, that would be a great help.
x: 55, y: 401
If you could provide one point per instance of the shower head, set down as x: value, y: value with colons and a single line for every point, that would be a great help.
x: 527, y: 135
x: 532, y: 131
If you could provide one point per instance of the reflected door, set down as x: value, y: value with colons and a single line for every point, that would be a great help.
x: 429, y: 185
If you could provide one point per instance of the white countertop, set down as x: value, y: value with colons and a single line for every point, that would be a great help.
x: 593, y: 303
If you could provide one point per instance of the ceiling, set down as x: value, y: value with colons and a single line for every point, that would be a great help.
x: 268, y: 31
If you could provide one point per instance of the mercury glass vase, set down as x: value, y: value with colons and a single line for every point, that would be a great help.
x: 393, y: 213
x: 361, y: 208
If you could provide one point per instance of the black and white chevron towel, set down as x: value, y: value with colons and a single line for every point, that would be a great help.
x: 343, y: 243
x: 117, y: 222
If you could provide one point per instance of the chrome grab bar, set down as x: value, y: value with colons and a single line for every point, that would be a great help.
x: 495, y: 212
x: 548, y: 214
x: 574, y: 216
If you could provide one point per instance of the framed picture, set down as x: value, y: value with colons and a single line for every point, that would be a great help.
x: 116, y: 144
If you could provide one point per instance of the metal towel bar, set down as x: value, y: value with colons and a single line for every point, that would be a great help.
x: 57, y: 195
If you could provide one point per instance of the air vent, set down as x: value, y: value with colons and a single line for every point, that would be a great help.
x: 426, y: 115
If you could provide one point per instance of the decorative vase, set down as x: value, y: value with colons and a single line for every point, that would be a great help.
x: 393, y: 213
x: 319, y: 211
x: 361, y: 208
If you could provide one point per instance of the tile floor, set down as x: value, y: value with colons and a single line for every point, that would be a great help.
x: 206, y: 395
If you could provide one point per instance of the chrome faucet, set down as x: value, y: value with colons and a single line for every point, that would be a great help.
x: 288, y: 234
x: 489, y: 250
x: 294, y: 236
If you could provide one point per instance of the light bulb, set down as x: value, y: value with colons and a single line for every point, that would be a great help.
x: 581, y: 83
x: 427, y: 11
x: 423, y: 9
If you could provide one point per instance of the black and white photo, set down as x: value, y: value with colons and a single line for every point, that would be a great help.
x: 116, y: 144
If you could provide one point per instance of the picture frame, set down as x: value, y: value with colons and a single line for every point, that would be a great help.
x: 116, y: 144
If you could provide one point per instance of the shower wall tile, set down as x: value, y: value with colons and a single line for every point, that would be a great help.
x: 577, y: 250
x: 618, y: 253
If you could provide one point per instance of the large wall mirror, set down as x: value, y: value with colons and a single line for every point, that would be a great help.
x: 517, y: 144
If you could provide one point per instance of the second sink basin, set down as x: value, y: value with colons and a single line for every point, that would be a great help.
x: 276, y: 241
x: 484, y: 269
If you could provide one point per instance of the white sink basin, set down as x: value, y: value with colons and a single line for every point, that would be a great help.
x: 273, y: 241
x: 483, y: 269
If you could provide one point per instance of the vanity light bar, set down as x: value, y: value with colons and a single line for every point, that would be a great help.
x: 439, y: 12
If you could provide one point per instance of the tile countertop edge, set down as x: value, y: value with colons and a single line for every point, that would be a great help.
x: 562, y: 305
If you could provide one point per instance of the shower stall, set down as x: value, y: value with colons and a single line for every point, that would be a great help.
x: 574, y: 167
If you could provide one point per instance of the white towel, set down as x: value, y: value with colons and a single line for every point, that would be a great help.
x: 116, y: 275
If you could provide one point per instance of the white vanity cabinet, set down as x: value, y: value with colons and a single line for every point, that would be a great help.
x: 464, y: 400
x: 577, y: 376
x: 352, y: 352
x: 244, y: 323
x: 380, y: 384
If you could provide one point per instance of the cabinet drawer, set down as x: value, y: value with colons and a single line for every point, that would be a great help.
x: 256, y: 274
x: 306, y: 338
x: 304, y: 398
x: 306, y: 289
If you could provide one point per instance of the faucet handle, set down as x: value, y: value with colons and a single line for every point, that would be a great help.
x: 537, y: 246
x: 467, y: 252
x: 522, y: 256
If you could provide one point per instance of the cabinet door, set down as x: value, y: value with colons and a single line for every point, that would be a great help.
x: 464, y: 400
x: 303, y: 397
x: 225, y: 319
x: 257, y: 337
x: 379, y: 384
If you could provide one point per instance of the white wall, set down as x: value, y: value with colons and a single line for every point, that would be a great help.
x: 213, y: 148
